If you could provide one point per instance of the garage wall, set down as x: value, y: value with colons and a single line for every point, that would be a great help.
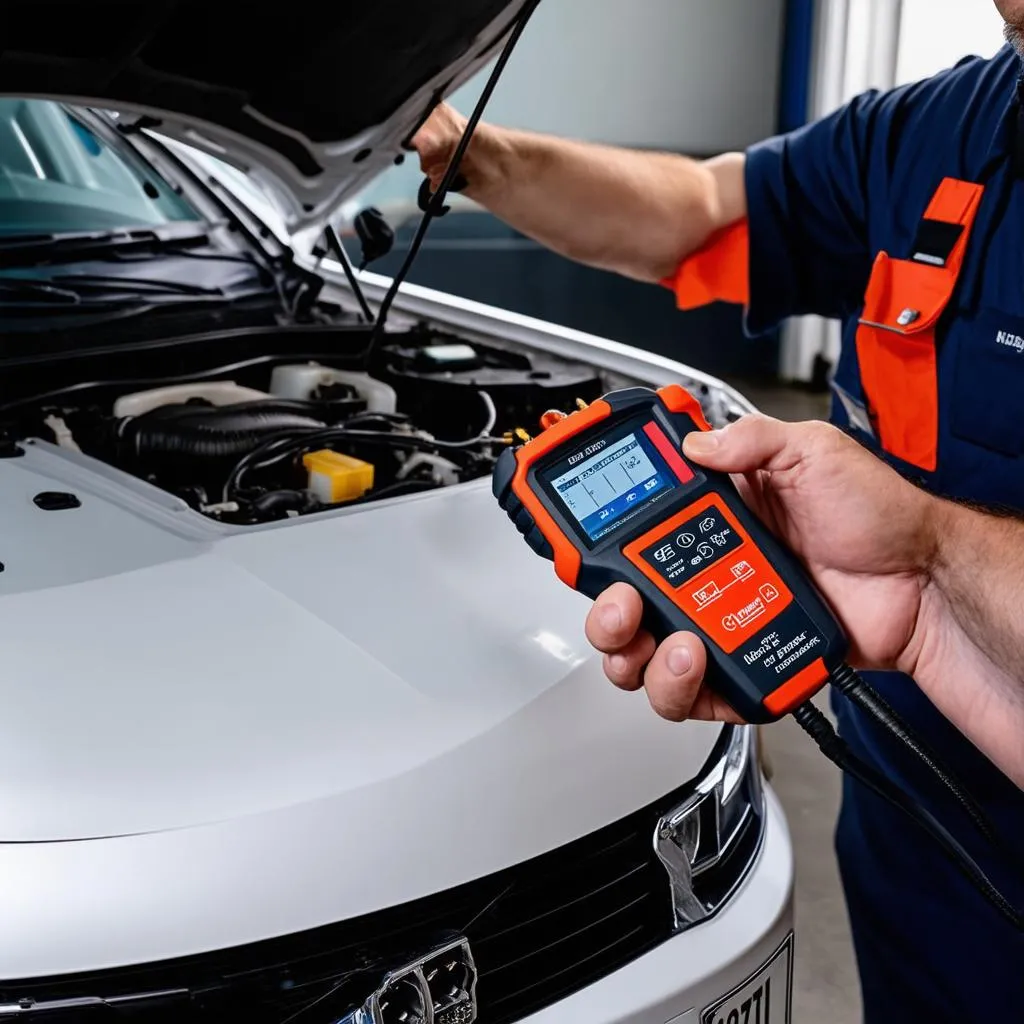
x: 692, y: 75
x: 935, y: 34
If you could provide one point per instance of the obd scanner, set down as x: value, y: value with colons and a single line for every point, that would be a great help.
x: 607, y: 495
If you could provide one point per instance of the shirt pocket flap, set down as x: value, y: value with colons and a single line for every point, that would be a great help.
x: 906, y: 297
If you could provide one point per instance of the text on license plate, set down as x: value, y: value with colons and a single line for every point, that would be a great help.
x: 764, y: 998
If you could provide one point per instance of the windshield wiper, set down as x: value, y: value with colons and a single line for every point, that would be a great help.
x: 22, y: 290
x: 176, y: 238
x: 105, y: 284
x: 78, y: 288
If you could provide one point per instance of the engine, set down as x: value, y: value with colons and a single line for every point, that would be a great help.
x: 290, y: 438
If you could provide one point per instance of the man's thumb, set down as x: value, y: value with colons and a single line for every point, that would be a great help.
x: 752, y: 442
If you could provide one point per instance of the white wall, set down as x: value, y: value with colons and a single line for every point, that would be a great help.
x: 935, y: 34
x: 699, y: 76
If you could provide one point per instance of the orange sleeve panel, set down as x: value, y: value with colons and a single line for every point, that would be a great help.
x: 719, y: 272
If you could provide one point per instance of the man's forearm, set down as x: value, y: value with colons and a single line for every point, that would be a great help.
x: 969, y: 649
x: 979, y: 568
x: 637, y: 213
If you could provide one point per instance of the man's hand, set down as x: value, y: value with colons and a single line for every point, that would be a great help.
x: 437, y: 140
x: 865, y: 535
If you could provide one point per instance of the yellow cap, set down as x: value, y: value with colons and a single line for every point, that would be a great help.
x: 334, y: 477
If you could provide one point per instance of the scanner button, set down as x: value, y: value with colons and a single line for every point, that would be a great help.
x: 691, y: 547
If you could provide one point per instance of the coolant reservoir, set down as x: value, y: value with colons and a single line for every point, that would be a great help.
x: 300, y: 381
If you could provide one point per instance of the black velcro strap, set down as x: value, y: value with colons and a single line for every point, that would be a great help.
x: 935, y: 242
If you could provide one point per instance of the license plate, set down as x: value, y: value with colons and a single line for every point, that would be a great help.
x: 762, y: 999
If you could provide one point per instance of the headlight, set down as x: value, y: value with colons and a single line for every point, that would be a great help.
x: 708, y: 842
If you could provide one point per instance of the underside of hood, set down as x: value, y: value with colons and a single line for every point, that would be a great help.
x: 313, y: 100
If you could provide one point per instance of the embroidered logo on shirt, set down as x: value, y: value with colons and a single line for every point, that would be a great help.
x: 1014, y: 341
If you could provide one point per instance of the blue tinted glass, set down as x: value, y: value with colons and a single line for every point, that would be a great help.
x: 58, y: 175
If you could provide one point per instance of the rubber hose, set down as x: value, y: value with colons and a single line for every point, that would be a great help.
x: 276, y: 504
x: 210, y: 432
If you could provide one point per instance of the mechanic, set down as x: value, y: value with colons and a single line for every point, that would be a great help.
x: 902, y: 209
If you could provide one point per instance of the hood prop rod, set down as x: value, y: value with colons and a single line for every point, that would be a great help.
x: 436, y: 204
x: 335, y: 245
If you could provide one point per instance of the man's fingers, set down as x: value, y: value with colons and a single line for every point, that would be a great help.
x: 614, y: 618
x: 752, y: 442
x: 625, y: 668
x: 674, y: 675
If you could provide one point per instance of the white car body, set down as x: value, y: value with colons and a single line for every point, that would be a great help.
x: 217, y: 736
x: 420, y: 655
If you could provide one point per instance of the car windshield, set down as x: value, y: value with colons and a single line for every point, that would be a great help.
x: 58, y: 175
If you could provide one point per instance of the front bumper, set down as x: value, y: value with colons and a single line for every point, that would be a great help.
x: 673, y: 982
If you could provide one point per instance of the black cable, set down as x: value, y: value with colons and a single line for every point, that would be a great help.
x: 396, y: 490
x: 818, y: 727
x: 849, y: 683
x: 334, y: 243
x: 282, y: 445
x: 436, y: 204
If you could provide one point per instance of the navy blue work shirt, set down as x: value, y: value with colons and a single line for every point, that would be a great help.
x: 823, y: 202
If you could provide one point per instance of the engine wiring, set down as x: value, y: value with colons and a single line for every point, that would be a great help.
x: 492, y: 413
x: 485, y: 432
x: 292, y: 445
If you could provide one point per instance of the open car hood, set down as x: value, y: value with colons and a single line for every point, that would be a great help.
x: 311, y: 101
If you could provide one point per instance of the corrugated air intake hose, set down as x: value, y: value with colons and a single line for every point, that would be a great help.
x: 199, y: 431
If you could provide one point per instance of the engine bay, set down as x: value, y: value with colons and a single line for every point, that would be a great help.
x: 276, y: 435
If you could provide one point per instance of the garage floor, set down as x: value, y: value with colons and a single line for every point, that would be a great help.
x: 825, y: 980
x: 825, y: 975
